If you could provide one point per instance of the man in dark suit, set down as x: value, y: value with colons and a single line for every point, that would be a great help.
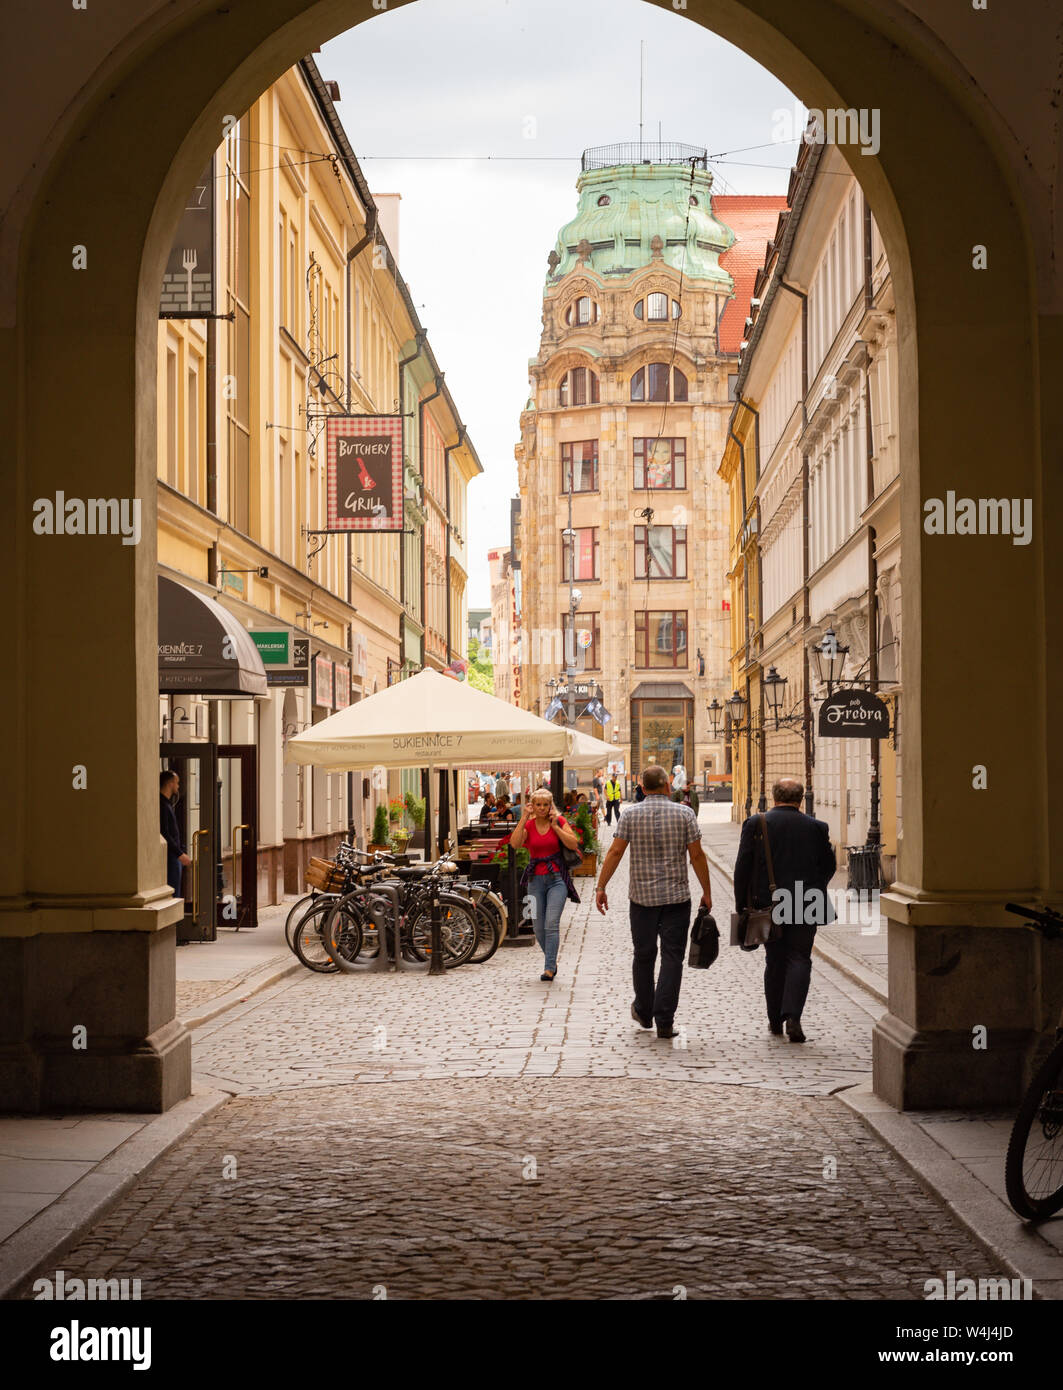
x: 804, y: 863
x: 176, y: 858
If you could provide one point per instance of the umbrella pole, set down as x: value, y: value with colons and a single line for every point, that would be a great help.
x: 435, y: 965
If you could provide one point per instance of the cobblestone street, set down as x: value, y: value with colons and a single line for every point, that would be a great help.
x: 533, y: 1144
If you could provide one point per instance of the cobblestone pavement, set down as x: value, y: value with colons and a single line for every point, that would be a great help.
x: 595, y: 1189
x: 539, y: 1145
x: 498, y: 1019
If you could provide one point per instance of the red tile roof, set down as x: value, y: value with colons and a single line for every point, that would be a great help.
x: 753, y: 218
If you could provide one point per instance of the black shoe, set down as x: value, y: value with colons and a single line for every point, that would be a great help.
x: 548, y: 975
x: 776, y: 1028
x: 793, y: 1029
x: 665, y: 1030
x: 642, y: 1022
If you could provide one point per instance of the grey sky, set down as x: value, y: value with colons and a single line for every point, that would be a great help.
x: 429, y: 89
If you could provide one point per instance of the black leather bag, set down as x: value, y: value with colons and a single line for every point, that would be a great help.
x: 755, y: 926
x: 704, y: 940
x: 572, y: 857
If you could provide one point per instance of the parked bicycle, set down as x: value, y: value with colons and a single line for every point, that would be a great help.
x: 1033, y: 1170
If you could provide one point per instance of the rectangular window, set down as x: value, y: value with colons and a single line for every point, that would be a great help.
x: 579, y: 466
x: 661, y: 639
x: 192, y: 488
x: 588, y: 640
x: 171, y: 417
x: 660, y: 463
x: 660, y: 552
x: 586, y: 548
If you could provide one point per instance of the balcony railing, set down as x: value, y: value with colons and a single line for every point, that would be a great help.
x: 644, y: 152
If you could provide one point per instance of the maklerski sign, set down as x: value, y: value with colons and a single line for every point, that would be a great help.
x: 364, y: 473
x: 854, y: 714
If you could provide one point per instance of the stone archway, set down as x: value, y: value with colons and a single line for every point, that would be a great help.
x: 86, y: 931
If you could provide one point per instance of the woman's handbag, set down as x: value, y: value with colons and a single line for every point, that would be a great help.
x: 754, y: 926
x: 572, y: 857
x: 704, y: 940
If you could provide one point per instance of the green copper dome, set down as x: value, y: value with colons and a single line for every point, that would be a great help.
x: 633, y: 215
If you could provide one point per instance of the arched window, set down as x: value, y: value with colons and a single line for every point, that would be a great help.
x: 578, y: 387
x: 584, y: 310
x: 651, y: 383
x: 654, y: 308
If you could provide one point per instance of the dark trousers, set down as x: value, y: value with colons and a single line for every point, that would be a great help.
x: 670, y: 922
x: 610, y: 808
x: 787, y: 971
x: 174, y: 872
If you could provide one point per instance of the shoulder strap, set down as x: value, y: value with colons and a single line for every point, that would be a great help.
x: 767, y: 849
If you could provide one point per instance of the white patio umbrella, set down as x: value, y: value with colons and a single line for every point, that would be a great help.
x: 431, y: 721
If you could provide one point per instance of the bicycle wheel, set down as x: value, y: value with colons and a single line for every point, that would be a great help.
x: 460, y: 930
x: 1033, y: 1170
x: 343, y: 929
x: 309, y: 942
x: 490, y: 924
x: 295, y: 917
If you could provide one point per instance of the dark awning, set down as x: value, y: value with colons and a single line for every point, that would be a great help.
x: 661, y: 690
x: 203, y: 649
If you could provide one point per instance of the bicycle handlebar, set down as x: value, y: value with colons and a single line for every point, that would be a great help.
x: 1046, y: 919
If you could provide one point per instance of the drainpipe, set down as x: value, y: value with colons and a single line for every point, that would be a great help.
x: 404, y: 362
x: 741, y: 466
x: 424, y: 506
x: 805, y: 617
x: 352, y: 256
x: 446, y: 466
x: 756, y: 434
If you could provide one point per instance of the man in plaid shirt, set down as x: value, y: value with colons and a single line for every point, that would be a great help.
x: 661, y: 833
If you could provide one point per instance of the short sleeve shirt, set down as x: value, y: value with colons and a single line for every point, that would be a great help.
x: 658, y: 831
x: 542, y: 846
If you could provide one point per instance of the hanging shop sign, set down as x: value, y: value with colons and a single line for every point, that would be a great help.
x: 299, y: 679
x: 301, y: 653
x: 360, y: 655
x: 365, y: 462
x: 323, y: 682
x: 273, y: 646
x: 342, y: 684
x: 854, y: 714
x: 188, y: 283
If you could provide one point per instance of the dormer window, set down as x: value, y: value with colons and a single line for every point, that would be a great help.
x: 584, y: 310
x: 604, y: 200
x: 654, y: 308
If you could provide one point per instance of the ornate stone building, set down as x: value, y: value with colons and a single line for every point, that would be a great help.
x: 623, y: 510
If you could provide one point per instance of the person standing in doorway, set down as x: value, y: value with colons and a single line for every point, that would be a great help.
x: 170, y: 830
x: 662, y: 834
x: 614, y: 795
x: 546, y: 880
x: 804, y: 862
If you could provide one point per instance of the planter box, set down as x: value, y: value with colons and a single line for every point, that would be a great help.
x: 588, y: 868
x: 373, y: 847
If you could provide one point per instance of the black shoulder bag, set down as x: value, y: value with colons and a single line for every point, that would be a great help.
x: 754, y: 926
x: 704, y: 940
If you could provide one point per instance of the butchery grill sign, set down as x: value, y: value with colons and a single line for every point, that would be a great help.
x: 854, y: 714
x: 365, y: 473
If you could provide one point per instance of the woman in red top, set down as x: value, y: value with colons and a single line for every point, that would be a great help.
x: 547, y: 880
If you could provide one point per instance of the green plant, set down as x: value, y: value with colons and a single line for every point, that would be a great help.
x: 415, y: 809
x: 523, y: 857
x: 380, y: 826
x: 580, y: 821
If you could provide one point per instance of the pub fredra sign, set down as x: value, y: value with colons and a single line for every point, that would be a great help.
x: 854, y: 714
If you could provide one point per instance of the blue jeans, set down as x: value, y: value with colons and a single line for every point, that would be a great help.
x: 549, y: 895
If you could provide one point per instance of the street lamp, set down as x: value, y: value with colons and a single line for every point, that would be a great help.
x: 829, y: 659
x: 715, y: 711
x: 773, y: 685
x: 736, y: 707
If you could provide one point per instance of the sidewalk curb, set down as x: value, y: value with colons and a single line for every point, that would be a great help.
x: 1020, y: 1252
x: 837, y: 956
x: 266, y: 975
x: 36, y: 1246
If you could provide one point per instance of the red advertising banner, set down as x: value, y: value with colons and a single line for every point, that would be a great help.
x: 364, y: 473
x: 323, y: 682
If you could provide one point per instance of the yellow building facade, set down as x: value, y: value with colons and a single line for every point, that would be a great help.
x: 313, y: 319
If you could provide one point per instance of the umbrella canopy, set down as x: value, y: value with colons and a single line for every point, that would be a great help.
x: 425, y: 721
x: 588, y: 751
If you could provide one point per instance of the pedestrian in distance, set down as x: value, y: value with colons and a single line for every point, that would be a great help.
x: 803, y: 860
x: 176, y: 858
x: 640, y: 794
x: 664, y: 836
x: 546, y: 880
x: 614, y: 795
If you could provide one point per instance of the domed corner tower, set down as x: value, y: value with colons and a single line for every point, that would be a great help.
x: 624, y: 517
